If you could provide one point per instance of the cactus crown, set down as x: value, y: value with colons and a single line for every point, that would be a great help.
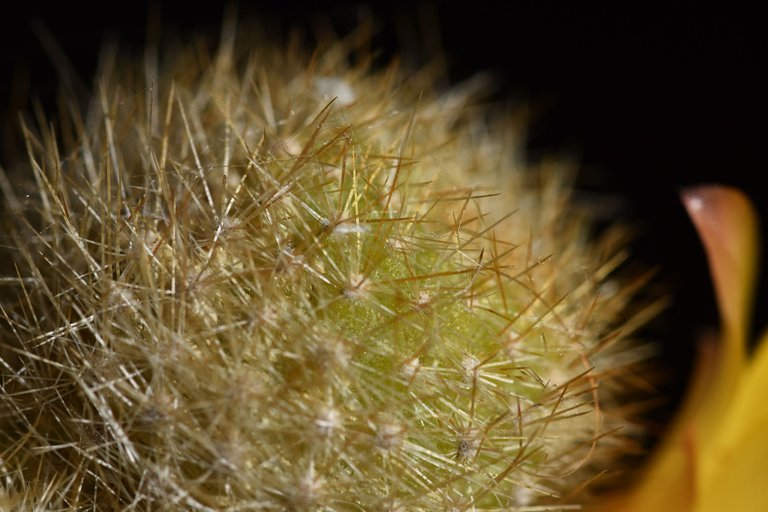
x: 257, y: 281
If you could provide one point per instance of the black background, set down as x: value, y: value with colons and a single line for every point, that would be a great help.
x: 648, y: 100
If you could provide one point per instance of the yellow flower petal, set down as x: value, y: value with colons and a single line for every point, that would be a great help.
x: 734, y: 469
x: 714, y: 448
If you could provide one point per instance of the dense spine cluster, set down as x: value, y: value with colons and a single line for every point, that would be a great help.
x: 258, y: 281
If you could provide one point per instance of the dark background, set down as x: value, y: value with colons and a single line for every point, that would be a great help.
x: 648, y: 100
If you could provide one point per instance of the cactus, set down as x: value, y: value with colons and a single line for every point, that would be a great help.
x: 253, y: 280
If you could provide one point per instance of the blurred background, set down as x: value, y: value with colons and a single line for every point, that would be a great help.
x: 645, y: 100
